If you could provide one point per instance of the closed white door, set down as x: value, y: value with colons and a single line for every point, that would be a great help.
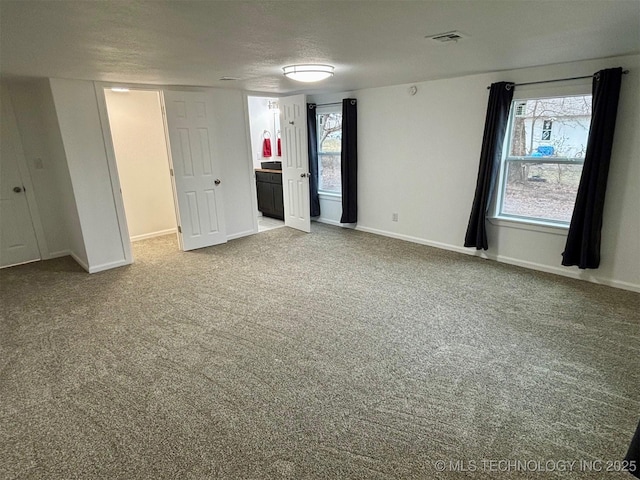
x: 17, y: 237
x: 295, y: 162
x: 196, y: 172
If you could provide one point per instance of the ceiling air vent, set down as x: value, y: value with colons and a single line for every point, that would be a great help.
x: 447, y: 37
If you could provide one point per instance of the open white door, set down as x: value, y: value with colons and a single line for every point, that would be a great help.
x: 18, y: 242
x: 196, y: 172
x: 295, y: 162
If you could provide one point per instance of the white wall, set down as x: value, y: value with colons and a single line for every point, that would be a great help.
x: 47, y: 163
x: 418, y: 156
x: 261, y: 119
x: 81, y: 130
x: 137, y: 130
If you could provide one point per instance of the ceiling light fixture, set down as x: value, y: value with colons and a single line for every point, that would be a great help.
x: 308, y: 72
x: 120, y: 89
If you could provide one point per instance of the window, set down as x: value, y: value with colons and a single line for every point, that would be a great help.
x: 542, y: 164
x: 329, y: 149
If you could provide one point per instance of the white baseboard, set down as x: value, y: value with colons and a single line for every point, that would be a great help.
x: 145, y: 236
x: 241, y: 234
x: 21, y: 263
x: 108, y: 266
x: 58, y: 254
x: 562, y: 271
x: 329, y: 221
x: 79, y: 261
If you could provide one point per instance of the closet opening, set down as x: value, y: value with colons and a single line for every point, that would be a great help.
x: 144, y: 169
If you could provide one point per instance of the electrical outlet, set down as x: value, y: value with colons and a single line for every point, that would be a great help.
x: 394, y: 217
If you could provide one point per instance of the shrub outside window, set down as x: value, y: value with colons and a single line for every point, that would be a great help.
x: 542, y: 164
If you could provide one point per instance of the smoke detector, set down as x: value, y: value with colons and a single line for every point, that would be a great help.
x: 447, y: 37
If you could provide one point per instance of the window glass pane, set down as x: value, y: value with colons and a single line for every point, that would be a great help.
x: 542, y: 191
x: 329, y: 166
x: 329, y: 148
x: 550, y: 135
x: 551, y: 127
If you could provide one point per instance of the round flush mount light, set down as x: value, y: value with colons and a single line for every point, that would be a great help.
x: 308, y: 73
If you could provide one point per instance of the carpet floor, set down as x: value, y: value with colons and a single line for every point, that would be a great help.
x: 336, y: 354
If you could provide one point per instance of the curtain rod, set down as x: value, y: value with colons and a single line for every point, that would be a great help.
x: 624, y: 72
x: 328, y: 104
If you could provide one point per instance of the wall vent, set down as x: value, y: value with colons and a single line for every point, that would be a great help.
x: 447, y: 37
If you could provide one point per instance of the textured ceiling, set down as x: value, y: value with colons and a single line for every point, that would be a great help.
x: 371, y: 43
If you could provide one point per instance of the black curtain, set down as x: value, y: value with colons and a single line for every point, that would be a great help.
x: 583, y: 240
x: 633, y: 455
x: 495, y: 126
x: 349, y: 161
x: 312, y: 140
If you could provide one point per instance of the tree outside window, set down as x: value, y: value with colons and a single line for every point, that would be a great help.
x: 329, y: 150
x: 542, y: 168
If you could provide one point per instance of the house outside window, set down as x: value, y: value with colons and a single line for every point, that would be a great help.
x: 329, y: 125
x: 544, y: 152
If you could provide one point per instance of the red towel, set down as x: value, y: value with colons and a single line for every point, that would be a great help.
x: 279, y: 147
x: 266, y: 147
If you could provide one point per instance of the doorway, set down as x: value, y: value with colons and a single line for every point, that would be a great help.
x: 266, y: 156
x: 139, y: 141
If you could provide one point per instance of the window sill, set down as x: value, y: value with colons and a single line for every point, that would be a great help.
x: 336, y: 197
x: 532, y: 225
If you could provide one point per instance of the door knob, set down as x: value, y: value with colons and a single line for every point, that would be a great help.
x: 291, y: 123
x: 217, y: 181
x: 17, y: 189
x: 303, y: 175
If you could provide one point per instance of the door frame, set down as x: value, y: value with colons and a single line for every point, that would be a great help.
x: 112, y: 162
x: 111, y: 155
x: 25, y: 175
x: 252, y: 173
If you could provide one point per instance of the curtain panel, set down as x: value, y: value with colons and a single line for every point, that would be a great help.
x: 500, y: 96
x: 583, y: 240
x: 312, y: 141
x: 349, y: 161
x: 633, y: 454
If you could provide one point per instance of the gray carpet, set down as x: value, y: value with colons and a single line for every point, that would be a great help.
x: 337, y: 354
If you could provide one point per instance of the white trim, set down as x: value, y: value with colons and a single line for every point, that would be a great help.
x: 246, y: 233
x: 532, y: 225
x: 159, y: 233
x: 328, y: 221
x: 562, y: 271
x: 79, y: 261
x: 251, y: 172
x: 20, y: 263
x: 58, y: 254
x: 108, y: 266
x: 332, y: 197
x: 112, y: 165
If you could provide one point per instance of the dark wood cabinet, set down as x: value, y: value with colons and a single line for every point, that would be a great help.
x: 269, y: 188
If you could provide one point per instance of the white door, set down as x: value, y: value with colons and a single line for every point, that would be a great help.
x: 295, y: 162
x: 197, y: 179
x: 17, y: 237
